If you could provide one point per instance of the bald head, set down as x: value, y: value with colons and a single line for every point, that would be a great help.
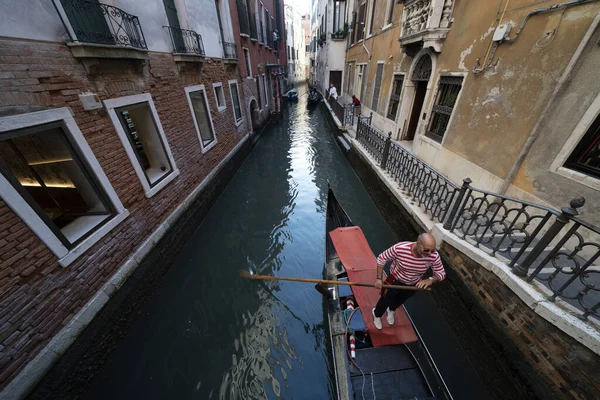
x: 426, y: 244
x: 426, y: 239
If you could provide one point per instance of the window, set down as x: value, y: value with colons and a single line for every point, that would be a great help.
x: 360, y: 26
x: 52, y: 180
x: 201, y: 115
x: 372, y: 17
x: 141, y: 133
x: 339, y: 15
x: 395, y: 97
x: 586, y: 156
x: 265, y: 90
x: 247, y: 62
x: 258, y: 92
x: 390, y: 12
x: 235, y: 100
x: 377, y: 86
x: 448, y: 91
x: 219, y: 96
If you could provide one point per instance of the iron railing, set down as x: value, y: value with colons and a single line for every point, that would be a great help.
x: 99, y: 23
x: 243, y: 17
x: 349, y: 113
x: 185, y: 41
x: 230, y: 51
x: 553, y: 247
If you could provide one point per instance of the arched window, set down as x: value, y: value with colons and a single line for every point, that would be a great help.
x: 422, y: 70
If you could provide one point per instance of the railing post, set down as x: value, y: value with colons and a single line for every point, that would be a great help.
x: 371, y: 118
x: 459, y: 199
x: 521, y: 269
x: 386, y: 151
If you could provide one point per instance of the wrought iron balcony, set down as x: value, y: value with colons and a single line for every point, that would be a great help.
x: 243, y: 17
x: 230, y: 51
x: 185, y: 41
x: 427, y: 22
x: 93, y: 22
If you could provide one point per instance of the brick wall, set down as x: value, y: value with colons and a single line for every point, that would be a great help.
x: 554, y: 364
x: 37, y: 296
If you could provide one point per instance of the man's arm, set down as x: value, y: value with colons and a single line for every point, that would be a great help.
x: 439, y: 274
x: 388, y: 255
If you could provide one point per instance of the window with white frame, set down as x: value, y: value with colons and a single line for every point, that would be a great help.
x: 395, y: 97
x: 585, y: 158
x: 201, y: 114
x: 52, y: 180
x: 377, y: 86
x: 448, y: 91
x: 265, y: 91
x: 390, y: 12
x: 235, y: 100
x: 372, y: 22
x: 219, y: 95
x: 247, y: 62
x: 139, y: 128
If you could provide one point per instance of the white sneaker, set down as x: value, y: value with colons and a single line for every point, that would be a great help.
x: 376, y: 320
x: 390, y: 316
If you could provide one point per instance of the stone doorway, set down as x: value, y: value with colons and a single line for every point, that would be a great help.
x: 420, y: 79
x: 254, y: 111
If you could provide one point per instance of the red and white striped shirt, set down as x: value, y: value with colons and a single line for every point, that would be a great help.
x: 408, y: 268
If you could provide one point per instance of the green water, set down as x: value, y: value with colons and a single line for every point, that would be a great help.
x: 208, y: 334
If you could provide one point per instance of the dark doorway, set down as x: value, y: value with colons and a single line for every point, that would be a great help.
x: 254, y: 111
x: 420, y: 91
x: 420, y: 77
x: 335, y: 79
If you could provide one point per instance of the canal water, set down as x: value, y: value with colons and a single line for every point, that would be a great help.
x: 208, y: 334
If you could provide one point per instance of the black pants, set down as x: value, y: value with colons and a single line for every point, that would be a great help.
x: 393, y: 299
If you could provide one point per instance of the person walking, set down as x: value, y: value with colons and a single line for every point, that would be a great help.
x: 410, y: 261
x: 332, y: 92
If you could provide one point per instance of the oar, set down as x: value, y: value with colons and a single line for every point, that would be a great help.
x: 321, y: 282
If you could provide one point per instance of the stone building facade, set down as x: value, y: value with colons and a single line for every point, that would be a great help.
x: 260, y: 34
x: 107, y: 133
x: 502, y: 93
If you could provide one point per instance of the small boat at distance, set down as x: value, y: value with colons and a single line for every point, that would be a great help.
x: 392, y: 363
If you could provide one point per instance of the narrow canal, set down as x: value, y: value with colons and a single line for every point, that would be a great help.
x: 206, y: 333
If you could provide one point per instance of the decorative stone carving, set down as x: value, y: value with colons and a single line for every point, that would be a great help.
x: 426, y: 22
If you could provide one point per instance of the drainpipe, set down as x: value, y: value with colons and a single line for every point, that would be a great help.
x: 559, y: 87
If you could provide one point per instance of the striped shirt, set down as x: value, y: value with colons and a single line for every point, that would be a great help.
x: 408, y: 268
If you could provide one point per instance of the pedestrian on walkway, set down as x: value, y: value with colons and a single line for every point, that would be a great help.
x: 410, y: 261
x: 332, y: 92
x: 356, y: 104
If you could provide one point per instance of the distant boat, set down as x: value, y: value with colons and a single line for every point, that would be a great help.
x: 392, y: 363
x: 313, y: 98
x: 291, y: 95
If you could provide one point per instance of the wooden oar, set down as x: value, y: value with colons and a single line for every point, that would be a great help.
x: 321, y: 282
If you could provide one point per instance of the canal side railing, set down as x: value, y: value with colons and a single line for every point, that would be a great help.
x: 337, y: 108
x: 540, y: 243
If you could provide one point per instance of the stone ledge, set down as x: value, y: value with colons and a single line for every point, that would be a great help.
x: 35, y: 370
x: 92, y: 50
x: 231, y: 61
x: 185, y: 57
x: 560, y: 314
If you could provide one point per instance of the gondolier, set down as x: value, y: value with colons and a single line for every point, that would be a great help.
x: 410, y: 261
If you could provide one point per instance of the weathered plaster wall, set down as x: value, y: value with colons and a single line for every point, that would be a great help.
x: 500, y: 107
x: 537, y: 174
x: 31, y: 19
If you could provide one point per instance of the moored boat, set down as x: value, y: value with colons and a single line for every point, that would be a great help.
x: 392, y: 363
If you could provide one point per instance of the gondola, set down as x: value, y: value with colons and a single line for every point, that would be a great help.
x: 313, y: 98
x: 389, y: 364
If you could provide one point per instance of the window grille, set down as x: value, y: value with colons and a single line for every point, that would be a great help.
x: 448, y: 91
x: 377, y: 87
x: 395, y: 97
